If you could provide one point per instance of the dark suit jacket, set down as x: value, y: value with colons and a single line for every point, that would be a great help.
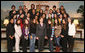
x: 40, y: 30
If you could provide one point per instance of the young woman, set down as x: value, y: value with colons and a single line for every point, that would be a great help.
x: 51, y: 13
x: 58, y: 12
x: 57, y: 35
x: 40, y: 33
x: 22, y: 20
x: 41, y: 12
x: 60, y: 19
x: 18, y: 33
x: 15, y: 18
x: 12, y: 12
x: 26, y: 11
x: 71, y: 34
x: 36, y: 19
x: 33, y: 14
x: 44, y: 18
x: 25, y: 33
x: 28, y: 17
x: 32, y: 36
x: 64, y: 35
x: 10, y: 35
x: 49, y: 33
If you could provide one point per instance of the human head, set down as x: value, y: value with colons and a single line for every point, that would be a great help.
x: 49, y: 21
x: 47, y: 7
x: 11, y: 21
x: 62, y: 7
x: 32, y: 6
x: 50, y: 11
x: 20, y: 11
x: 54, y: 7
x: 28, y: 15
x: 44, y: 15
x: 41, y: 11
x: 34, y: 21
x: 13, y: 7
x: 18, y: 22
x: 36, y: 17
x: 41, y: 19
x: 26, y: 10
x: 26, y: 21
x: 24, y: 7
x: 60, y: 16
x: 20, y: 7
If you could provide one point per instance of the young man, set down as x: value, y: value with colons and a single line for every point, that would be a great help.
x: 12, y: 12
x: 10, y: 35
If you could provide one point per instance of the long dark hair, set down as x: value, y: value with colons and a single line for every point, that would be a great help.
x: 64, y: 25
x: 57, y: 22
x: 25, y: 23
x: 72, y: 21
x: 17, y: 21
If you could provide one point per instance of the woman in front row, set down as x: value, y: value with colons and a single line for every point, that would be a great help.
x: 49, y: 34
x: 40, y: 33
x: 32, y: 36
x: 71, y: 34
x: 18, y: 33
x: 64, y: 35
x: 57, y: 35
x: 25, y: 34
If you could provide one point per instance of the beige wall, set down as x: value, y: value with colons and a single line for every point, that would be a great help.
x: 50, y: 3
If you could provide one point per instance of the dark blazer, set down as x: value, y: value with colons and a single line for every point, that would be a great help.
x: 33, y: 28
x: 64, y: 32
x: 40, y: 30
x: 10, y: 30
x: 49, y: 30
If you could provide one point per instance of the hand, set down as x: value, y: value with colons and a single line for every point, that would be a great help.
x: 11, y: 37
x: 31, y: 37
x: 55, y: 27
x: 73, y: 36
x: 14, y: 12
x: 37, y: 38
x: 27, y: 36
x: 46, y: 37
x: 51, y: 39
x: 28, y: 32
x: 62, y: 36
x: 56, y: 36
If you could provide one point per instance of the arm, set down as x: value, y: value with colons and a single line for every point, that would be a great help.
x: 37, y: 30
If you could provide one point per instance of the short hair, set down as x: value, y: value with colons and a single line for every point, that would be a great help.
x: 47, y: 6
x: 12, y: 6
x: 54, y: 6
x: 62, y: 6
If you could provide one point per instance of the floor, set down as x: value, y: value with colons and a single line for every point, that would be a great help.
x: 78, y: 47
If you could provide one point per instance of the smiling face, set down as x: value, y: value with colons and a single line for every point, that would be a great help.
x: 41, y: 20
x: 26, y: 21
x: 18, y: 22
x: 49, y: 22
x: 12, y: 21
x: 56, y: 21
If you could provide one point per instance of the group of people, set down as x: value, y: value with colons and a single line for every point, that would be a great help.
x: 54, y: 25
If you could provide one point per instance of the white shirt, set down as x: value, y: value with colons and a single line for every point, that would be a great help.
x: 18, y: 31
x: 72, y: 30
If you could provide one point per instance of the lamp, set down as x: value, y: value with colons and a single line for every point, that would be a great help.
x: 76, y: 22
x: 6, y: 21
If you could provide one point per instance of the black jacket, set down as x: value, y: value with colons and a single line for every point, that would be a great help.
x: 33, y: 28
x: 64, y: 32
x: 10, y: 30
x: 49, y: 30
